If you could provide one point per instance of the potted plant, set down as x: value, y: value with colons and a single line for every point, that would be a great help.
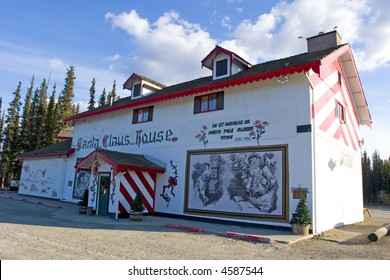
x: 301, y: 219
x: 83, y: 203
x: 137, y: 208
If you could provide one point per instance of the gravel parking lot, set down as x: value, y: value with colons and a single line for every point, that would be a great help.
x: 32, y: 231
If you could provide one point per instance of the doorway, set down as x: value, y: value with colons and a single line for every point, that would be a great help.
x: 103, y: 193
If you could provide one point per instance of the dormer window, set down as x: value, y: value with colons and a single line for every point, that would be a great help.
x: 224, y: 63
x: 221, y: 68
x: 136, y: 92
x: 141, y: 86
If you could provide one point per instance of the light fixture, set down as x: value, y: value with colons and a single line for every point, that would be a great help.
x: 283, y: 79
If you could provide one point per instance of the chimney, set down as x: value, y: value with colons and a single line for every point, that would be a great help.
x: 323, y: 41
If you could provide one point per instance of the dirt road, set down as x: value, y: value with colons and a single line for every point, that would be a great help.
x: 30, y: 231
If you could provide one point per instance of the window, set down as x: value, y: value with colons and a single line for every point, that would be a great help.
x: 143, y: 115
x: 208, y: 103
x: 339, y: 78
x: 221, y: 68
x: 137, y: 90
x: 340, y: 112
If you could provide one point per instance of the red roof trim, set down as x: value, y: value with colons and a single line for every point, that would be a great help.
x: 67, y: 154
x: 132, y: 77
x: 211, y: 87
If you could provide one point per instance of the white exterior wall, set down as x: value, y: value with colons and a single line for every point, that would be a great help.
x: 337, y: 170
x: 283, y: 105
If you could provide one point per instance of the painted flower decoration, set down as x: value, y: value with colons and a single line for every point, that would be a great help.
x: 172, y: 181
x: 202, y: 135
x: 258, y: 130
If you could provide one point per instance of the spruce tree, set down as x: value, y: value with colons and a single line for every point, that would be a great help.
x: 25, y: 127
x: 50, y: 122
x: 9, y: 167
x: 67, y: 109
x: 34, y: 118
x: 366, y: 174
x: 112, y: 94
x: 377, y: 174
x: 41, y: 115
x: 102, y: 100
x: 92, y: 91
x: 1, y: 126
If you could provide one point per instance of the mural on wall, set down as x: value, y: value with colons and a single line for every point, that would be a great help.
x: 81, y: 183
x: 345, y: 159
x: 113, y: 188
x: 172, y: 183
x: 38, y: 181
x: 236, y: 182
x: 95, y: 174
x: 237, y: 131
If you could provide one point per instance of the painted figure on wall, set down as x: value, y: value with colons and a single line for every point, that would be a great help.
x: 82, y: 183
x: 245, y: 182
x: 172, y: 183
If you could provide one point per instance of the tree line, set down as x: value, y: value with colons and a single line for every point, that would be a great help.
x: 37, y: 121
x: 376, y: 178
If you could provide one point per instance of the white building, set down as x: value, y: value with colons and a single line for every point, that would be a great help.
x: 241, y: 145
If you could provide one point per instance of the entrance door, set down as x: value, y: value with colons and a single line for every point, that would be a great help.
x: 104, y: 189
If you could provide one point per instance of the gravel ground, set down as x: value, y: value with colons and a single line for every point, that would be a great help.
x: 33, y: 232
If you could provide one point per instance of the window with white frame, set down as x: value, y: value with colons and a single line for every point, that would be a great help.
x: 340, y: 112
x: 208, y: 103
x: 142, y: 115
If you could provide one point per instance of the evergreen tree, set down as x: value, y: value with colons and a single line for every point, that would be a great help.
x: 9, y: 167
x: 25, y: 127
x: 67, y: 94
x: 34, y: 118
x: 57, y: 120
x: 377, y: 174
x: 112, y: 94
x: 50, y: 122
x: 92, y: 91
x: 76, y: 108
x: 2, y: 117
x: 1, y: 126
x: 41, y: 115
x: 102, y: 100
x: 366, y: 174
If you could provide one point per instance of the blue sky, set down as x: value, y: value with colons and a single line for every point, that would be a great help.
x: 166, y: 40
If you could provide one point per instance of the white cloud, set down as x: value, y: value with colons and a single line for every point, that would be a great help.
x: 169, y: 45
x: 130, y: 22
x: 55, y: 63
x: 226, y: 22
x: 275, y: 34
x: 115, y: 57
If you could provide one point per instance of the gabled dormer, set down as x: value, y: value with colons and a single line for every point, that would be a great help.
x: 224, y: 63
x: 140, y: 86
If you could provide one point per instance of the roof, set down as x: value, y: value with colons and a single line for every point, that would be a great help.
x: 208, y: 60
x: 121, y: 161
x: 60, y: 149
x: 267, y: 70
x: 66, y: 132
x: 137, y: 77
